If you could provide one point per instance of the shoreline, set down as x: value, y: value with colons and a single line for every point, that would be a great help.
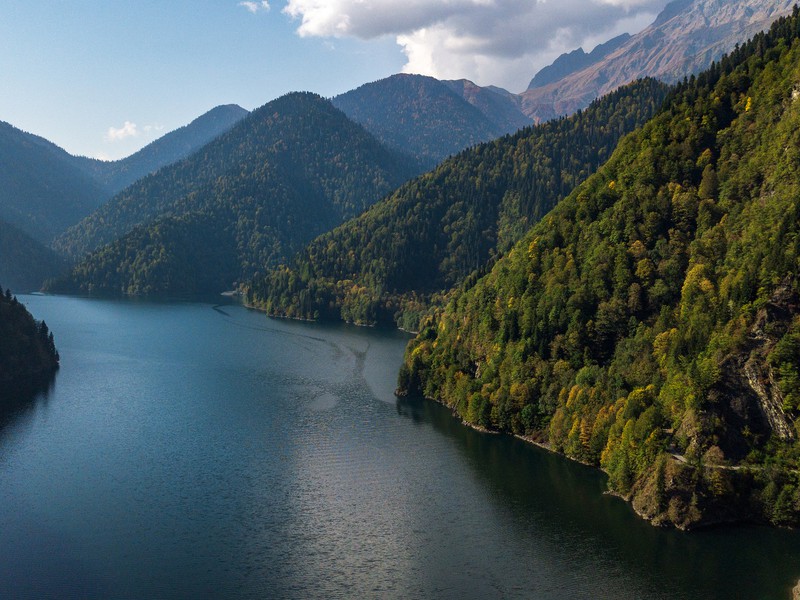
x: 629, y: 499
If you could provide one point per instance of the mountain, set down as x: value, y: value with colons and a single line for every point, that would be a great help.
x: 650, y: 323
x: 416, y: 115
x: 166, y: 150
x: 433, y: 232
x: 25, y: 263
x: 426, y: 118
x: 42, y: 192
x: 44, y: 189
x: 684, y: 39
x: 28, y: 356
x: 569, y: 63
x: 500, y: 106
x: 287, y: 172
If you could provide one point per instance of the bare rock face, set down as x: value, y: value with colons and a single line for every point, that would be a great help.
x: 685, y: 38
x: 747, y: 397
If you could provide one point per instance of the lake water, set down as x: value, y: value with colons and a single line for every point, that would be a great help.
x: 200, y: 451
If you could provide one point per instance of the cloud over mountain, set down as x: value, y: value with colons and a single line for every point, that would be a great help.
x: 490, y: 41
x: 127, y: 130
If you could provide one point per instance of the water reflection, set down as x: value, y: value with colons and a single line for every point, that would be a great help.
x: 240, y: 457
x: 552, y: 498
x: 16, y: 404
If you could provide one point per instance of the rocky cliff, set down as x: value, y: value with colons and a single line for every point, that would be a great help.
x: 685, y: 38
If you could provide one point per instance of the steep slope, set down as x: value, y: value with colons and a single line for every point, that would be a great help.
x: 42, y: 191
x: 28, y: 355
x: 500, y: 106
x: 289, y: 171
x: 424, y: 117
x: 442, y: 226
x: 569, y: 63
x: 25, y: 263
x: 166, y: 150
x: 650, y: 324
x: 685, y: 38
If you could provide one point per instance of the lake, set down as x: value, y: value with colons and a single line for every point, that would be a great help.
x: 190, y: 450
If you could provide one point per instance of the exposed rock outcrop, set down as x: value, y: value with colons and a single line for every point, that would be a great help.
x: 747, y: 397
x: 685, y: 38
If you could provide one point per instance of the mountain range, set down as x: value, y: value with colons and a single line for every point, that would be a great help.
x: 383, y: 266
x: 287, y: 172
x: 428, y: 118
x: 166, y: 150
x: 44, y: 190
x: 417, y: 115
x: 686, y: 37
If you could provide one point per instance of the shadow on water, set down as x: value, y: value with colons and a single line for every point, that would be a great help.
x: 21, y: 401
x: 553, y: 497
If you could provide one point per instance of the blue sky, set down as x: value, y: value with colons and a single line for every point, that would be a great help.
x: 103, y: 78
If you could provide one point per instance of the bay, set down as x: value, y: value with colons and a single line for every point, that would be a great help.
x: 204, y: 451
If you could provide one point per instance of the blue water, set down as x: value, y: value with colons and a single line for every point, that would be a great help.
x: 200, y: 451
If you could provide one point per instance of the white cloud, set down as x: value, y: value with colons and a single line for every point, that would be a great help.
x: 254, y: 7
x: 502, y: 42
x: 128, y: 130
x: 131, y: 130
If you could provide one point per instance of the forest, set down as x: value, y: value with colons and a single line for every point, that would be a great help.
x: 245, y: 202
x: 24, y: 262
x: 386, y: 265
x: 650, y: 323
x: 28, y: 355
x: 428, y: 118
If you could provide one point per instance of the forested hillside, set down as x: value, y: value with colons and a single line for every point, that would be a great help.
x: 28, y: 354
x: 650, y: 324
x: 425, y: 117
x: 289, y: 171
x: 42, y: 191
x: 434, y: 231
x: 25, y: 263
x: 170, y: 148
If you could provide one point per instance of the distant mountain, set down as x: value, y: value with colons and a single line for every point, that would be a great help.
x: 569, y: 63
x: 428, y: 118
x: 42, y: 191
x: 684, y: 39
x: 432, y: 233
x: 415, y: 114
x: 25, y: 264
x: 166, y: 150
x: 499, y: 106
x: 289, y: 171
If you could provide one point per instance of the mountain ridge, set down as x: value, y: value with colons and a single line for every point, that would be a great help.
x: 425, y: 117
x: 166, y: 150
x: 684, y: 38
x: 383, y: 265
x: 42, y: 192
x: 290, y: 170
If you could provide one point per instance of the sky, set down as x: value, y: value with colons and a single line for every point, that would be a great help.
x: 103, y: 78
